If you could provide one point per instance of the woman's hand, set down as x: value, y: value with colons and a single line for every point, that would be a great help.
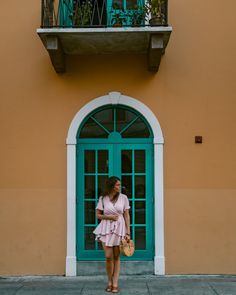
x: 127, y: 237
x: 127, y: 224
x: 102, y: 216
x: 113, y: 217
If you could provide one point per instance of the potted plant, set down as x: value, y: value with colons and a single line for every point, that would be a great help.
x: 118, y: 19
x: 155, y: 10
x: 118, y: 15
x: 83, y: 13
x: 137, y: 16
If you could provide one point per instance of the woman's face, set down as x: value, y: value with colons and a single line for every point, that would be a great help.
x: 116, y: 188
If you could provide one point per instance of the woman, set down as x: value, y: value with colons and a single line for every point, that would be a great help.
x: 113, y: 211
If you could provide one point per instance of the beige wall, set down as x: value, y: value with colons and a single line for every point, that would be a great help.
x: 192, y: 94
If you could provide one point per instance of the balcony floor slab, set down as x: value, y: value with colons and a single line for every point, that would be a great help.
x: 90, y: 41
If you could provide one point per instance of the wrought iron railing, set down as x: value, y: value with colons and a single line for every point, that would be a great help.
x: 103, y: 13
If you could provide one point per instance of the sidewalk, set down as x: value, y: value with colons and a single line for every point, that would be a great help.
x: 129, y: 285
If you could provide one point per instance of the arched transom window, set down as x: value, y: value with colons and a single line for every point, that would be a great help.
x: 115, y: 121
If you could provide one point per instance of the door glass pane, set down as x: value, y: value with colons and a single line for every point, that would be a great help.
x: 123, y: 190
x: 118, y: 4
x: 105, y: 118
x: 139, y: 161
x: 140, y: 212
x: 131, y: 4
x: 127, y: 183
x: 89, y: 212
x: 140, y: 187
x: 89, y: 186
x: 92, y: 130
x: 140, y: 238
x: 100, y: 246
x: 101, y: 184
x: 89, y: 240
x: 126, y: 161
x: 123, y: 118
x: 89, y: 161
x: 137, y: 130
x: 103, y: 161
x: 131, y: 212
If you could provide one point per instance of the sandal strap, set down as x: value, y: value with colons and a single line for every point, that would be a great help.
x: 108, y: 288
x: 115, y: 290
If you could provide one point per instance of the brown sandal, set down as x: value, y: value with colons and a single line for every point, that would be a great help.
x: 115, y: 290
x: 108, y: 288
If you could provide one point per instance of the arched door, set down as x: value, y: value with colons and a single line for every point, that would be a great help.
x: 114, y: 140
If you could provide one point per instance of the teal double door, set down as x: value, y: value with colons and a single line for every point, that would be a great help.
x: 133, y: 164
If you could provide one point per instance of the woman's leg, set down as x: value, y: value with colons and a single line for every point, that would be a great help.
x: 116, y: 272
x: 109, y: 263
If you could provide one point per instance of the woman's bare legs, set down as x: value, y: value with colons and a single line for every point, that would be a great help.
x: 116, y: 268
x: 109, y: 263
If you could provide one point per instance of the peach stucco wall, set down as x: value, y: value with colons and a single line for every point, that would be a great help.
x: 192, y: 94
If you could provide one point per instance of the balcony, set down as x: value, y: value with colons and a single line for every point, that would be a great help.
x: 85, y: 27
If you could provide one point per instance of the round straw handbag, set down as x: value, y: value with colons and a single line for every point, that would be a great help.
x: 127, y: 247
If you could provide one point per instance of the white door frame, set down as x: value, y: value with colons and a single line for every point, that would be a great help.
x: 158, y: 141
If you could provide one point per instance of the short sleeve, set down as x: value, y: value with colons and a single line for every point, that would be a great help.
x: 126, y: 203
x: 100, y: 204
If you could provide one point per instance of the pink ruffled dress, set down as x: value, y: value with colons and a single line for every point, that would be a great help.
x: 108, y: 231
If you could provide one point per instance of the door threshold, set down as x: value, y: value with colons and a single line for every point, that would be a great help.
x: 90, y: 268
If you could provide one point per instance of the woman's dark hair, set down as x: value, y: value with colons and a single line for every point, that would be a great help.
x: 110, y: 183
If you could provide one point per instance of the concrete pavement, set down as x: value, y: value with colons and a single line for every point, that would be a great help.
x: 129, y: 285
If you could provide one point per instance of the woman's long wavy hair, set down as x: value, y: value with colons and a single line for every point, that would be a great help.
x: 110, y: 183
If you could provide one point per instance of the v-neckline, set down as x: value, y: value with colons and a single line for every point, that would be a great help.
x: 115, y: 201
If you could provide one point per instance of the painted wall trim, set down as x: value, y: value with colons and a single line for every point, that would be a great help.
x: 115, y: 98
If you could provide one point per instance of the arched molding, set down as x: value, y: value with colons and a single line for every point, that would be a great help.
x: 114, y: 98
x: 158, y: 141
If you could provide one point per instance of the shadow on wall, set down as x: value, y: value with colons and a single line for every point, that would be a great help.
x: 110, y: 72
x: 115, y: 64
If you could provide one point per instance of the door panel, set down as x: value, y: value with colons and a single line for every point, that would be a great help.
x: 136, y: 179
x: 92, y: 171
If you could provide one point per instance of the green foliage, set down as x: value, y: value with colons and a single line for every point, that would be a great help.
x: 155, y: 8
x: 118, y: 19
x: 137, y: 15
x: 83, y: 13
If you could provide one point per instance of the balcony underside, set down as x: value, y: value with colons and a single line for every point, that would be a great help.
x: 151, y: 41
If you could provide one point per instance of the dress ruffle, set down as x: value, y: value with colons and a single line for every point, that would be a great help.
x: 111, y: 232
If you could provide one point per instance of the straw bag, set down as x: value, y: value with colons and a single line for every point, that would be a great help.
x: 127, y: 247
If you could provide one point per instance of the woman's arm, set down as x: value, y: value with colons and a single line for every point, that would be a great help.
x: 101, y: 216
x: 127, y: 223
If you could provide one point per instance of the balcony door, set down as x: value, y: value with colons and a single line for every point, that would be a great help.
x: 125, y: 13
x: 114, y: 141
x: 89, y: 13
